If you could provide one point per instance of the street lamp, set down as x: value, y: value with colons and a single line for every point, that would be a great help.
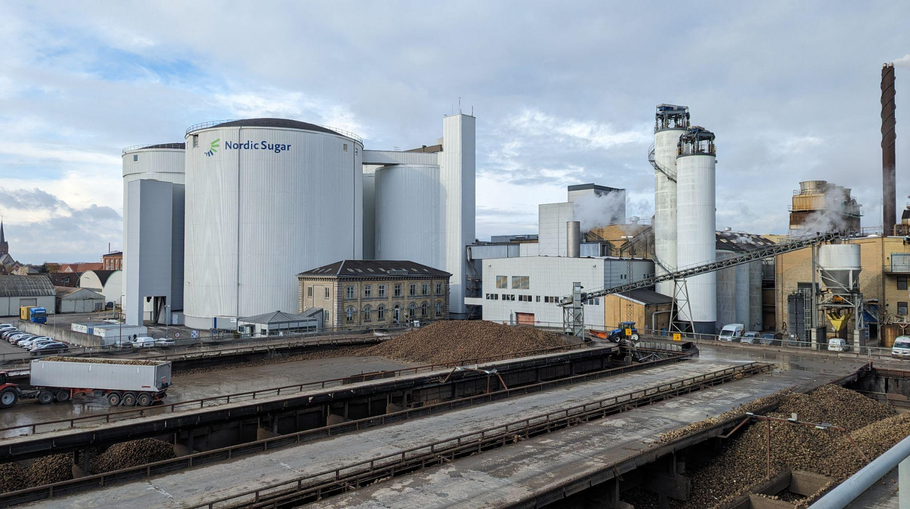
x: 167, y: 319
x: 120, y: 322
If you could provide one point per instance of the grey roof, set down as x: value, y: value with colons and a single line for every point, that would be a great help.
x: 103, y: 275
x: 26, y: 286
x: 646, y: 296
x: 69, y: 293
x: 596, y: 187
x: 64, y: 278
x: 276, y: 317
x: 375, y: 268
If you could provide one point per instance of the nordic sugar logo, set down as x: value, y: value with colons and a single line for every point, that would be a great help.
x: 213, y: 147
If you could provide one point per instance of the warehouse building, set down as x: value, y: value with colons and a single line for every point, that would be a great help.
x: 18, y: 291
x: 278, y: 323
x: 647, y: 308
x: 109, y: 283
x: 374, y: 293
x: 78, y: 300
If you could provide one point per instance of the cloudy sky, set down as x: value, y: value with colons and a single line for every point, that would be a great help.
x: 563, y: 92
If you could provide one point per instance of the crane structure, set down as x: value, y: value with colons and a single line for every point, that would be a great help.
x: 573, y: 305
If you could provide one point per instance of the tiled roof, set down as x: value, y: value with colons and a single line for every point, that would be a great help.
x: 373, y: 268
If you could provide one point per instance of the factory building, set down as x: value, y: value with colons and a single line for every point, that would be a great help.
x: 153, y: 234
x: 266, y: 198
x: 821, y: 206
x: 374, y: 293
x: 591, y: 205
x: 528, y: 289
x: 109, y: 283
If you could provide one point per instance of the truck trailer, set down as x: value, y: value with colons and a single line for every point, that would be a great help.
x: 126, y: 382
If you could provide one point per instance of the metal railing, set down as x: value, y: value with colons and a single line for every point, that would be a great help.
x: 133, y: 148
x: 213, y: 123
x: 212, y: 401
x: 553, y: 420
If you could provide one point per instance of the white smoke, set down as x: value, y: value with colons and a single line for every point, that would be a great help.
x: 903, y: 61
x: 831, y: 219
x: 594, y: 211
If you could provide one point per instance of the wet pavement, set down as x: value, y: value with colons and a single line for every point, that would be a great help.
x: 231, y: 380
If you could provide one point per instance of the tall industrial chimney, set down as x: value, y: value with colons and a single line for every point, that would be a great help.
x: 889, y: 198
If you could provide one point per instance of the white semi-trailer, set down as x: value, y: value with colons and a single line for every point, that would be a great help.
x: 124, y: 382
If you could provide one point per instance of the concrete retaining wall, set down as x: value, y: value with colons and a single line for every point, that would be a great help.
x: 60, y: 334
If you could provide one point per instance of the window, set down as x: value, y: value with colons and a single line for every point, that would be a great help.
x: 309, y: 291
x: 412, y: 310
x: 425, y: 289
x: 367, y: 311
x: 538, y: 298
x: 502, y: 281
x: 326, y: 293
x: 524, y: 298
x: 423, y: 310
x: 902, y: 308
x: 439, y: 309
x: 367, y: 291
x: 380, y: 313
x: 195, y: 140
x: 349, y: 313
x: 521, y: 282
x: 901, y: 282
x: 345, y: 147
x: 349, y: 291
x: 396, y: 313
x: 412, y: 289
x: 438, y: 288
x: 135, y: 157
x: 380, y: 289
x: 397, y: 290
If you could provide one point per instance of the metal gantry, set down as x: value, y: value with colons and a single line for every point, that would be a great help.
x: 569, y: 303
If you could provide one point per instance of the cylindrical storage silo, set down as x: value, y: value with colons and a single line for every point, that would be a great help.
x: 671, y: 122
x: 165, y: 163
x: 726, y: 291
x: 695, y: 220
x: 408, y: 215
x: 839, y: 266
x: 755, y: 295
x: 573, y: 239
x: 743, y: 297
x: 266, y: 200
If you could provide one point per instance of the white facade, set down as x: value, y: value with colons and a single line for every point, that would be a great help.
x: 409, y: 218
x: 696, y: 239
x: 265, y: 201
x: 550, y: 279
x: 111, y: 289
x: 665, y: 142
x: 162, y: 163
x: 552, y: 236
x: 457, y: 169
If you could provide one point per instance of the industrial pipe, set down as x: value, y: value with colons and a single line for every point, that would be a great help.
x: 861, y: 481
x: 573, y: 239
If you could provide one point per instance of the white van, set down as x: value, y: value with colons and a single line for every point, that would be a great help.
x: 838, y: 345
x: 731, y: 332
x: 901, y: 347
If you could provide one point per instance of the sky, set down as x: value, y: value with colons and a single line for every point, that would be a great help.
x: 564, y: 93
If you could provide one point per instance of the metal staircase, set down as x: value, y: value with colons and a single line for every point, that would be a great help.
x: 657, y: 166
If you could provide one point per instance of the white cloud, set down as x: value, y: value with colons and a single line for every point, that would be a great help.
x: 532, y: 122
x: 294, y: 105
x: 903, y: 61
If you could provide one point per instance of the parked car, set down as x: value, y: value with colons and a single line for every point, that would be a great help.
x: 901, y: 347
x: 18, y: 338
x: 37, y: 342
x: 767, y: 339
x: 165, y: 342
x: 144, y: 342
x: 46, y: 348
x: 8, y: 333
x: 4, y: 326
x: 28, y: 343
x: 838, y: 345
x: 749, y: 338
x: 731, y: 332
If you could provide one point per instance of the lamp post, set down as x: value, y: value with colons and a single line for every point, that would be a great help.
x: 120, y: 322
x: 167, y: 319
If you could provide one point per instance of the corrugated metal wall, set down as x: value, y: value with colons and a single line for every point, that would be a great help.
x: 409, y: 219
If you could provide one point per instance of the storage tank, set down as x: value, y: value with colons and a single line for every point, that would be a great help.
x: 573, y: 239
x: 163, y: 162
x: 695, y: 220
x: 726, y: 291
x: 266, y: 199
x: 671, y: 122
x: 408, y: 215
x: 839, y: 266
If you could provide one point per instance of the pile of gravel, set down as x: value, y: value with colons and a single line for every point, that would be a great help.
x: 453, y: 341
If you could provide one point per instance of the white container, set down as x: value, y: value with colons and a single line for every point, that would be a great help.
x: 106, y: 374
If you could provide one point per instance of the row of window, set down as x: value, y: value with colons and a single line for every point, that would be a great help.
x: 350, y: 312
x: 350, y: 291
x: 535, y: 298
x: 518, y: 282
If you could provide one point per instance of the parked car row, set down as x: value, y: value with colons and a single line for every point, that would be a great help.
x: 34, y: 343
x: 736, y: 332
x: 147, y: 342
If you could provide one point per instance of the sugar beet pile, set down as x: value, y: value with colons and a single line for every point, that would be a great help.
x: 742, y: 464
x: 452, y: 341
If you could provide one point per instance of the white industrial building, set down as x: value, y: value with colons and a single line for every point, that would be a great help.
x: 528, y: 289
x: 109, y: 283
x: 591, y: 205
x: 153, y: 233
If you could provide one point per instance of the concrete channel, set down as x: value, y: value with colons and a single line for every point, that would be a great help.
x: 419, y: 442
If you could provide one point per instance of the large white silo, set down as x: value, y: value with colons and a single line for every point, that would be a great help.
x: 695, y: 220
x: 266, y: 200
x: 146, y: 292
x: 408, y: 218
x: 670, y: 123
